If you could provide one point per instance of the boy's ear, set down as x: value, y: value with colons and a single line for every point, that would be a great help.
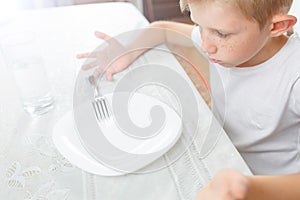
x: 282, y: 23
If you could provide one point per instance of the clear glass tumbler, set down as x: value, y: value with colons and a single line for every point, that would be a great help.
x: 22, y: 56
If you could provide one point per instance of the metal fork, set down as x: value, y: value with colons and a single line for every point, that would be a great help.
x: 100, y: 104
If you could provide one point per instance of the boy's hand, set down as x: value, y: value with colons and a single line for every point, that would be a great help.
x: 226, y: 185
x: 108, y: 55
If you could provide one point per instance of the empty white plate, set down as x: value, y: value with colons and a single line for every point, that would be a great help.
x: 68, y: 143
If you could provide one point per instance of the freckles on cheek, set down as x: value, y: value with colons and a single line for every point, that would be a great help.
x: 230, y: 48
x: 237, y: 47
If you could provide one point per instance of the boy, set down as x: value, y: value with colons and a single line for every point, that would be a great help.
x: 246, y: 42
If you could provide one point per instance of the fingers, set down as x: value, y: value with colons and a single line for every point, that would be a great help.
x: 89, y: 65
x: 109, y: 75
x: 103, y: 57
x: 107, y: 38
x: 98, y: 72
x: 82, y: 55
x: 102, y: 36
x: 93, y: 54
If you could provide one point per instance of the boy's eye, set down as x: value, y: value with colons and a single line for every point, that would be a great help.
x: 222, y: 35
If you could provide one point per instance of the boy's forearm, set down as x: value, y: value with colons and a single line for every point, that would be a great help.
x: 161, y: 32
x: 175, y: 33
x: 284, y: 187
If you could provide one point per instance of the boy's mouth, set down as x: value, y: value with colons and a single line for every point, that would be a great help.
x: 214, y: 60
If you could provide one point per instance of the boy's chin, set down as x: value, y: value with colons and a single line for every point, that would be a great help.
x: 227, y: 65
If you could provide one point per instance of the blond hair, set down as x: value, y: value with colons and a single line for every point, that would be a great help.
x: 258, y: 10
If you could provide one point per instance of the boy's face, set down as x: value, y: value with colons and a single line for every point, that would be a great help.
x: 228, y: 37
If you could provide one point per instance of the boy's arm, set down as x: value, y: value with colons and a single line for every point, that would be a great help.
x: 274, y: 187
x: 160, y: 32
x: 169, y: 28
x: 232, y: 185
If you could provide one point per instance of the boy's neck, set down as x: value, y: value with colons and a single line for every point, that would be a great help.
x: 268, y: 51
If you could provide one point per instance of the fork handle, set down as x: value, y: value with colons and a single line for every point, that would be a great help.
x: 93, y: 81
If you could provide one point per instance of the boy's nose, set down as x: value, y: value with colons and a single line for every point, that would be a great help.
x: 208, y: 45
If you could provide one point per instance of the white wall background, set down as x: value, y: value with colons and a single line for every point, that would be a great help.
x: 295, y: 10
x: 9, y: 7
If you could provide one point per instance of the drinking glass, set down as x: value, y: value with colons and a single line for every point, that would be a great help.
x: 22, y: 55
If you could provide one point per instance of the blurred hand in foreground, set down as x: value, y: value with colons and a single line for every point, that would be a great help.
x: 227, y: 184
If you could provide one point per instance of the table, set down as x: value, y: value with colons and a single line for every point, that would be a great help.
x: 31, y: 167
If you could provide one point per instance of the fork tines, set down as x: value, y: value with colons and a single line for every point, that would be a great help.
x: 101, y: 108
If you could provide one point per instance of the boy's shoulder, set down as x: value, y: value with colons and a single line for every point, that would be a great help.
x: 294, y: 42
x: 287, y: 60
x: 292, y: 51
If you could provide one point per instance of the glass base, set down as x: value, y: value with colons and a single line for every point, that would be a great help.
x: 39, y: 106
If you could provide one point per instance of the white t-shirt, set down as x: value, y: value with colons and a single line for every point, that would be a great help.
x: 260, y: 108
